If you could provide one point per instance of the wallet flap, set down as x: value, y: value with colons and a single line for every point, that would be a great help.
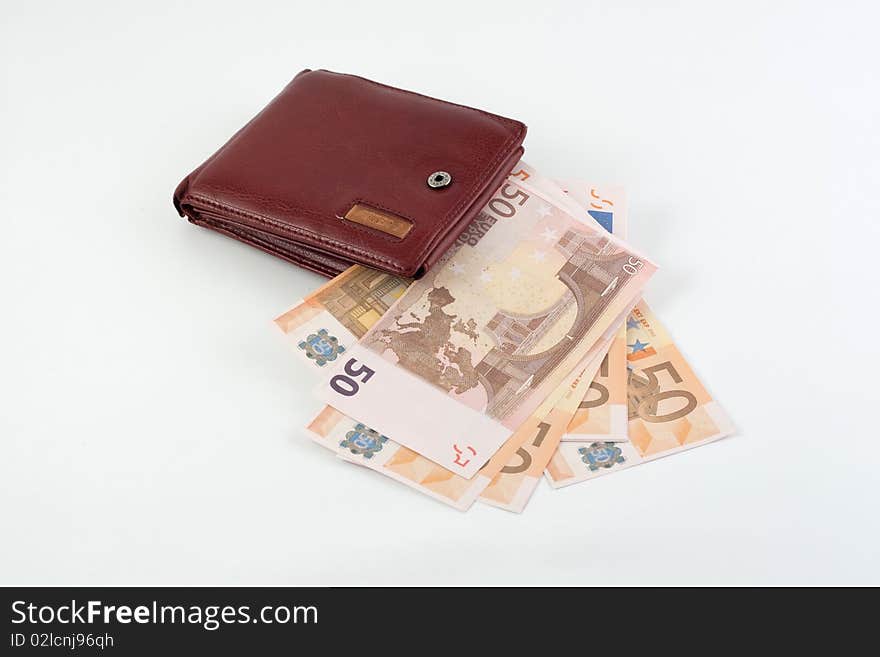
x: 357, y: 169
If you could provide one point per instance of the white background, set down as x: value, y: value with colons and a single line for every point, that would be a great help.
x: 151, y: 418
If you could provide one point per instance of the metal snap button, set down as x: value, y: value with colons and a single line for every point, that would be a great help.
x: 439, y: 179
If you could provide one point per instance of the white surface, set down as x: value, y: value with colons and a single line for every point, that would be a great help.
x: 150, y: 417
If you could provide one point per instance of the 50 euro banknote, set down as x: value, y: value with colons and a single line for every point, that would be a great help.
x: 490, y: 332
x: 513, y: 486
x: 669, y: 409
x: 601, y: 414
x: 322, y: 328
x: 350, y: 305
x: 506, y: 480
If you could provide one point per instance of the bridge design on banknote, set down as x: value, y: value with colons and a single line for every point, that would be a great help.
x: 509, y: 371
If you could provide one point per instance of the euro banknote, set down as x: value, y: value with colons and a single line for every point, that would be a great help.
x: 353, y: 301
x: 332, y: 318
x: 493, y: 329
x: 324, y: 326
x: 512, y: 487
x: 364, y: 446
x: 349, y: 304
x: 359, y: 444
x: 601, y: 415
x: 669, y: 409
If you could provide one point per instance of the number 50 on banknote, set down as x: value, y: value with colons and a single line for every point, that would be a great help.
x: 469, y: 351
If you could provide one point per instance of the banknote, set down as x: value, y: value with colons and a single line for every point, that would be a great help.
x: 551, y: 189
x: 601, y: 415
x: 321, y: 328
x: 357, y: 443
x: 490, y: 331
x: 669, y: 409
x: 350, y: 304
x: 328, y: 322
x: 512, y: 487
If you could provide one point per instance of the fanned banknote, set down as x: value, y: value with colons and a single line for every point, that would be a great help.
x: 669, y: 409
x: 601, y: 415
x: 490, y: 331
x: 366, y: 447
x: 350, y: 304
x: 357, y: 443
x: 512, y: 487
x: 322, y: 328
x: 324, y: 325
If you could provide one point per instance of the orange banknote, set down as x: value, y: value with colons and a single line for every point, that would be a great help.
x: 601, y: 414
x: 669, y: 409
x: 512, y: 487
x: 323, y: 329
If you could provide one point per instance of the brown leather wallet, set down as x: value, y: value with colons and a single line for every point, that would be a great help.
x: 338, y: 170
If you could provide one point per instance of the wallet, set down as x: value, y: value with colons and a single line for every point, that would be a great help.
x: 339, y: 170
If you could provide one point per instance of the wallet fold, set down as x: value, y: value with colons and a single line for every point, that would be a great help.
x: 339, y: 170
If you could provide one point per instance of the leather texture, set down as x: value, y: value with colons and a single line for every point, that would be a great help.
x: 328, y: 142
